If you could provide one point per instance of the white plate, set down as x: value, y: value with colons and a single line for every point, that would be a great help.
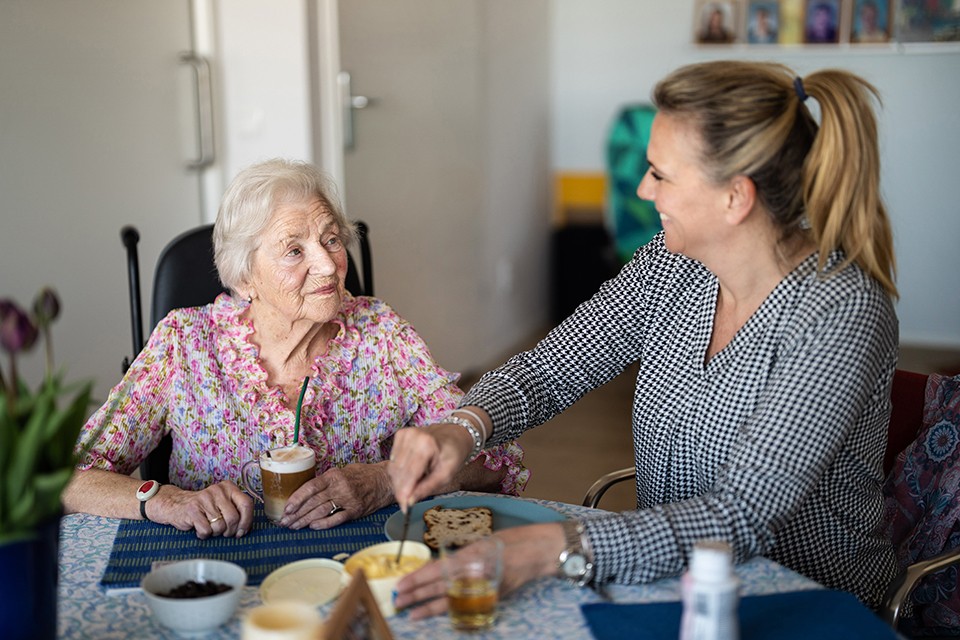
x: 315, y: 581
x: 507, y: 512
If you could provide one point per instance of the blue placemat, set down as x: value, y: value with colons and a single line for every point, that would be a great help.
x: 267, y: 547
x: 819, y: 613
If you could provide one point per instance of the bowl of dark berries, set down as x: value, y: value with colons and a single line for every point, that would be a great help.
x: 194, y: 596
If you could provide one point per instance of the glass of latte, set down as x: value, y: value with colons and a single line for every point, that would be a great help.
x: 282, y: 471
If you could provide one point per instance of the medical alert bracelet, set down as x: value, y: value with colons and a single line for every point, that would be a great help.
x: 474, y: 432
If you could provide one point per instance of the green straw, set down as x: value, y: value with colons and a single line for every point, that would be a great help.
x: 296, y: 426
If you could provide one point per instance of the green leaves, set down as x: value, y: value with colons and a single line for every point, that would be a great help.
x: 37, y: 437
x: 37, y: 440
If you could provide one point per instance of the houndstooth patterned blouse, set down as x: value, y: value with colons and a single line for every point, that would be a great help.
x: 774, y: 445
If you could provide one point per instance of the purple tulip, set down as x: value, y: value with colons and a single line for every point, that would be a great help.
x: 6, y: 306
x: 46, y: 306
x: 17, y: 332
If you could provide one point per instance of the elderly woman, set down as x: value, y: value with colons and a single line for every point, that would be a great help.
x: 762, y: 323
x: 224, y: 379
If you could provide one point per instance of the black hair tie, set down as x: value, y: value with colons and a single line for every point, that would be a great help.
x: 798, y: 88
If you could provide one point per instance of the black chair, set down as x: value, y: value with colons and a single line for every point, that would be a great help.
x: 186, y: 276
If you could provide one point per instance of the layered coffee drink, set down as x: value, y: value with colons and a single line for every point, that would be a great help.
x: 283, y: 471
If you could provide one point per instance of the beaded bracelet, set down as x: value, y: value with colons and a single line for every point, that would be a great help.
x: 476, y: 416
x: 474, y: 433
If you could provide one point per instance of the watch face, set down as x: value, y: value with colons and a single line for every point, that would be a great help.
x: 575, y: 565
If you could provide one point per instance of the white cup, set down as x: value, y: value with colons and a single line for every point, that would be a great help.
x: 282, y: 621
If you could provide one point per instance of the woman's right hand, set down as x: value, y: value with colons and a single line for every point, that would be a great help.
x: 219, y: 510
x: 425, y: 459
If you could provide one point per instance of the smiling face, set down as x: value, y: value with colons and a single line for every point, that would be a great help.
x: 299, y: 268
x: 690, y: 205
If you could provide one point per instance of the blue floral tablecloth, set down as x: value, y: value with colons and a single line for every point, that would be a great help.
x: 546, y: 608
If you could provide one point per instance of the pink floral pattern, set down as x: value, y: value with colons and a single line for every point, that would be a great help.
x: 200, y: 380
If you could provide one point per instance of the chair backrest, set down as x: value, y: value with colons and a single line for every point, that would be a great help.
x: 906, y: 414
x: 186, y: 276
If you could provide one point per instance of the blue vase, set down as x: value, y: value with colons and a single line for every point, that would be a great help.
x: 28, y: 587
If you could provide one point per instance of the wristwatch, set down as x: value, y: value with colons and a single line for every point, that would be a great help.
x: 144, y: 492
x: 576, y: 561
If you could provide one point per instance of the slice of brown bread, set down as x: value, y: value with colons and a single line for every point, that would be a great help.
x: 455, y: 527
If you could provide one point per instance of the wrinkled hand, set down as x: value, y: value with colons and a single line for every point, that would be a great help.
x: 425, y: 460
x: 355, y: 489
x: 219, y: 510
x: 529, y: 552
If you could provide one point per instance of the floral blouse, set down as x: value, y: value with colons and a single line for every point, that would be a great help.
x: 200, y: 380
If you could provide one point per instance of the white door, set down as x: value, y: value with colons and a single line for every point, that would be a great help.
x: 97, y: 124
x: 414, y: 173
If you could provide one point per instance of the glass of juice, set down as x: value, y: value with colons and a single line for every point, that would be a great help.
x: 472, y: 577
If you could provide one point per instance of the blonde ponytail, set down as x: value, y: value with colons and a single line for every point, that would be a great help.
x: 841, y: 177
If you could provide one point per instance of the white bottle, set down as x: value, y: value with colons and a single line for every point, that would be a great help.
x: 710, y: 595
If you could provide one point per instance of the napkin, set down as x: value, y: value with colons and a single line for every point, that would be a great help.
x: 140, y: 543
x: 819, y: 613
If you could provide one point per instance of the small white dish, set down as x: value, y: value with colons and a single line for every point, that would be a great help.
x: 315, y: 581
x: 193, y: 616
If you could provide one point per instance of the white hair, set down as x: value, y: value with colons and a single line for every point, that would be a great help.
x: 248, y: 205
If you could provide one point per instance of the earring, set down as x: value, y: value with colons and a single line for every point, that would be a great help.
x: 250, y: 299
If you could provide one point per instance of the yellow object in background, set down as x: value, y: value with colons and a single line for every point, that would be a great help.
x: 578, y: 197
x: 791, y: 21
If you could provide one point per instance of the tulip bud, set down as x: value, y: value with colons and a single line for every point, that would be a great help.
x: 6, y: 306
x: 17, y: 332
x: 46, y: 306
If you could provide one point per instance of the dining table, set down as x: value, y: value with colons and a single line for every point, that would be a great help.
x: 545, y: 608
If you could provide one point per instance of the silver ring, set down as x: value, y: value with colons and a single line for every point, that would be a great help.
x: 335, y: 507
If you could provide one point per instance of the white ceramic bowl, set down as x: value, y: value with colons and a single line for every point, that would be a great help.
x: 384, y: 589
x: 193, y: 615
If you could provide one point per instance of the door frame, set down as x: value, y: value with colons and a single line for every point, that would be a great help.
x: 323, y: 19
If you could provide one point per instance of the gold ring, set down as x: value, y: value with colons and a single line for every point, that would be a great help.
x: 212, y: 520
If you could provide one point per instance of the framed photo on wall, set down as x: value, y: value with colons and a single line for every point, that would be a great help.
x: 763, y: 22
x: 928, y: 21
x: 871, y: 21
x: 715, y: 22
x: 822, y: 22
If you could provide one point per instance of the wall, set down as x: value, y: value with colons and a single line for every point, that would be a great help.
x: 606, y: 54
x: 515, y: 221
x: 265, y: 99
x: 96, y: 128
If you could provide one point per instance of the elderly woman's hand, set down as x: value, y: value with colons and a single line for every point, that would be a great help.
x: 338, y: 495
x: 529, y: 552
x: 219, y: 510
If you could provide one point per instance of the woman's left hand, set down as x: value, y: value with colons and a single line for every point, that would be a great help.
x: 338, y: 495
